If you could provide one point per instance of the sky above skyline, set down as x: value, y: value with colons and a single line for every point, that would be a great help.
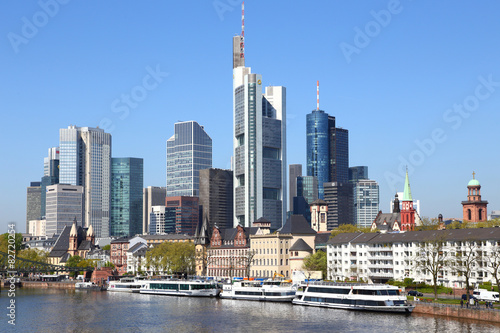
x: 416, y: 83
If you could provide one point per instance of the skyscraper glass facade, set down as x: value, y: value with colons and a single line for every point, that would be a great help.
x: 259, y: 150
x: 85, y: 159
x: 188, y: 151
x: 126, y: 196
x: 307, y: 187
x: 318, y: 153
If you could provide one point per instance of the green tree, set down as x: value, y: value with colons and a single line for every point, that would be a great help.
x: 33, y: 254
x: 315, y: 262
x: 171, y: 258
x: 4, y: 242
x: 73, y: 262
x: 106, y: 247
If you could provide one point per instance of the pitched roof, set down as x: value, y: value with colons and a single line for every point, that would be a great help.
x: 137, y: 247
x: 344, y: 237
x: 389, y: 219
x: 297, y: 224
x: 322, y: 238
x: 300, y: 245
x: 62, y: 243
x: 471, y: 234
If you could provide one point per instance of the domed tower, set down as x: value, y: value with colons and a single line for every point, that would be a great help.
x: 395, y: 206
x: 474, y: 208
x: 407, y: 211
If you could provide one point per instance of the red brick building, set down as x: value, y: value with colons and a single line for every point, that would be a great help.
x: 475, y: 209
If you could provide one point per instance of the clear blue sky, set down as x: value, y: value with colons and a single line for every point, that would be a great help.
x: 418, y: 75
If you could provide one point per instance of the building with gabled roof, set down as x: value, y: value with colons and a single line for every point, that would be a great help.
x: 73, y: 241
x: 229, y: 252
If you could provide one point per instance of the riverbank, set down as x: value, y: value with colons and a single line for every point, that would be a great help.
x: 447, y: 310
x: 44, y: 284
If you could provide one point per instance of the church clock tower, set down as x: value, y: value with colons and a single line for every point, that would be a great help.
x: 407, y: 210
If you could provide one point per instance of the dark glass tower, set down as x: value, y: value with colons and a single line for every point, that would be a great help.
x: 327, y: 150
x: 126, y: 196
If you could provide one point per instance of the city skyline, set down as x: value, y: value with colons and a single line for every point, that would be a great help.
x: 411, y: 91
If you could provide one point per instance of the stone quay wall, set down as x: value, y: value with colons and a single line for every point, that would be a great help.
x: 482, y: 313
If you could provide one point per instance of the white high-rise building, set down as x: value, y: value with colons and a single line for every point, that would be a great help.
x: 366, y: 202
x: 85, y: 160
x: 51, y: 161
x: 259, y: 142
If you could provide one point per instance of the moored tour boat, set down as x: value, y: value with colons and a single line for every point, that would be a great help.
x: 127, y: 285
x: 350, y: 296
x: 270, y: 290
x: 87, y: 286
x: 180, y: 288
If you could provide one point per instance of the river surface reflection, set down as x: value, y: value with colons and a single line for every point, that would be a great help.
x: 43, y: 310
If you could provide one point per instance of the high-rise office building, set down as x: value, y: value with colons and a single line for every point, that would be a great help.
x: 126, y: 196
x: 51, y: 163
x: 259, y: 142
x: 327, y: 150
x: 307, y: 187
x: 358, y: 172
x: 151, y: 196
x: 339, y: 197
x: 294, y: 171
x: 85, y: 160
x: 187, y: 213
x: 33, y: 203
x: 365, y: 196
x: 189, y: 150
x: 64, y: 204
x: 216, y: 197
x: 366, y: 202
x: 162, y: 220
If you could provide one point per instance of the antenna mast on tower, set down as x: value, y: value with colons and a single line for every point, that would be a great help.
x: 242, y: 38
x: 317, y: 95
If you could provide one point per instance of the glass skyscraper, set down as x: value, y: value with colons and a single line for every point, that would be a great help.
x: 307, y: 187
x: 327, y: 150
x: 126, y: 196
x: 85, y: 160
x: 259, y: 150
x: 188, y: 151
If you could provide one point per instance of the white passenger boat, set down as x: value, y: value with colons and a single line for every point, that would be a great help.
x: 349, y: 296
x: 180, y: 288
x: 127, y: 285
x: 270, y: 290
x: 87, y: 286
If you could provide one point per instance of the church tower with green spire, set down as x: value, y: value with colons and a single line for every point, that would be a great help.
x: 407, y: 211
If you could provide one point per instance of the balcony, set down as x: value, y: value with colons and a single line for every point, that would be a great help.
x: 380, y: 274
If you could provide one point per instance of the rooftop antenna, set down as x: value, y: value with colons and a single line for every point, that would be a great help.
x: 317, y: 95
x: 242, y: 38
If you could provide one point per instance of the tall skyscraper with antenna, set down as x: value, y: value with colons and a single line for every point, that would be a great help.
x: 327, y: 148
x: 259, y: 142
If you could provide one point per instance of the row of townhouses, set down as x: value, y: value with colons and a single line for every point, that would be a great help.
x: 380, y: 257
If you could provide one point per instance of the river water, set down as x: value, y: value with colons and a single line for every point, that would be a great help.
x: 46, y: 310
